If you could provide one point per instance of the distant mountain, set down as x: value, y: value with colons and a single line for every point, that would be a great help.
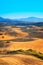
x: 32, y: 19
x: 24, y: 21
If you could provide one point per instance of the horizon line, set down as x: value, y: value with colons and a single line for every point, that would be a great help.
x: 20, y: 17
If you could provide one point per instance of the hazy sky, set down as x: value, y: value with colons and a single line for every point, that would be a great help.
x: 21, y: 8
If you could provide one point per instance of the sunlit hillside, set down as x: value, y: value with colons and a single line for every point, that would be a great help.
x: 20, y: 37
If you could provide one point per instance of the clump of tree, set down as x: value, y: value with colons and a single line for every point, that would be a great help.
x: 20, y: 51
x: 3, y: 46
x: 27, y: 52
x: 34, y: 53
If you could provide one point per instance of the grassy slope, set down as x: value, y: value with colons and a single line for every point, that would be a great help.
x: 36, y: 45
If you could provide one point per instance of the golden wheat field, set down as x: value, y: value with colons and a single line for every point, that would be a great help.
x: 20, y: 37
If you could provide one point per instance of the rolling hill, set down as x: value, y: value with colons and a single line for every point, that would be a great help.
x: 24, y: 21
